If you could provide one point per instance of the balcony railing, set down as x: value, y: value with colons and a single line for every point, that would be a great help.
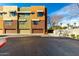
x: 24, y: 12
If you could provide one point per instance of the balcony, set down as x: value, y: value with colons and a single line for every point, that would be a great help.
x: 40, y: 10
x: 19, y: 12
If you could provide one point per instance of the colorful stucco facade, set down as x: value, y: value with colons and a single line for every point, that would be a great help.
x: 10, y: 19
x: 1, y: 21
x: 24, y: 14
x: 39, y: 19
x: 23, y: 20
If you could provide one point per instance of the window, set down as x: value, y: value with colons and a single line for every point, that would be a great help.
x: 27, y: 14
x: 8, y: 22
x: 0, y: 14
x: 13, y: 13
x: 22, y: 22
x: 33, y: 12
x: 35, y: 22
x: 40, y: 14
x: 24, y: 14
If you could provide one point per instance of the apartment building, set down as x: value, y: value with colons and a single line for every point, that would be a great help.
x: 23, y: 20
x: 10, y: 19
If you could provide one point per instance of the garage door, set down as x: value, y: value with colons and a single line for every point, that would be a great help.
x: 37, y: 31
x: 11, y: 31
x: 25, y: 31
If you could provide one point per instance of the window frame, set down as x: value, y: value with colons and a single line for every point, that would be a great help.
x: 22, y: 21
x: 41, y: 13
x: 35, y: 23
x: 8, y: 22
x: 12, y: 13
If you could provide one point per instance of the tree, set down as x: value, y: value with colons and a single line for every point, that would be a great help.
x: 55, y: 19
x: 61, y: 24
x: 68, y: 25
x: 75, y: 24
x: 49, y: 21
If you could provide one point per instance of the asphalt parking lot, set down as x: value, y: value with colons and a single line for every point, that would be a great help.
x: 40, y: 46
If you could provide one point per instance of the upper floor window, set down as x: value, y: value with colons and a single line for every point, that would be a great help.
x: 0, y: 14
x: 35, y: 22
x: 13, y: 13
x: 33, y: 12
x: 40, y: 14
x: 24, y: 15
x: 8, y: 22
x: 27, y: 14
x: 22, y: 22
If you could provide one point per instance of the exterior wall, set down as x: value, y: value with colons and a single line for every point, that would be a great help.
x: 9, y: 9
x: 10, y: 31
x: 1, y: 21
x: 25, y: 31
x: 26, y: 26
x: 67, y: 32
x: 74, y: 31
x: 41, y: 19
x: 1, y: 16
x: 12, y: 27
x: 1, y: 27
x: 34, y: 9
x: 37, y: 31
x: 41, y: 25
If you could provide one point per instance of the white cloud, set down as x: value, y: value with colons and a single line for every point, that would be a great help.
x: 70, y: 14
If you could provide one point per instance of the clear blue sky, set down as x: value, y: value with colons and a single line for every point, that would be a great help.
x: 51, y: 7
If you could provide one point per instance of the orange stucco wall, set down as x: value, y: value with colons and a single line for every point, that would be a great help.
x: 34, y: 9
x: 41, y: 24
x: 1, y: 21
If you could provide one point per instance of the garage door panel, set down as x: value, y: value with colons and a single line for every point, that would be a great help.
x: 37, y: 31
x: 11, y: 31
x: 25, y: 31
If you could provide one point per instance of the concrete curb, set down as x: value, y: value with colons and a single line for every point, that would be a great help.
x: 3, y: 42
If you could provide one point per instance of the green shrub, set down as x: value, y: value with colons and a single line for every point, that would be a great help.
x: 64, y: 27
x: 56, y: 27
x: 3, y: 35
x: 73, y: 35
x: 77, y: 36
x: 66, y: 35
x: 50, y: 28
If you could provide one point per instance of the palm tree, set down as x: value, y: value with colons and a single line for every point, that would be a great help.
x: 68, y: 25
x: 75, y: 24
x: 61, y: 24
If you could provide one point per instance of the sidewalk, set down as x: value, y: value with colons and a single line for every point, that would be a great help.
x: 28, y: 35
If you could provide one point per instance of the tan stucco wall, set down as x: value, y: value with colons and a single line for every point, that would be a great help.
x: 27, y: 18
x: 74, y: 31
x: 1, y: 9
x: 25, y: 31
x: 8, y: 9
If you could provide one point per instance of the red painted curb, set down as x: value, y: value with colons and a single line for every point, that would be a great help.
x: 3, y: 43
